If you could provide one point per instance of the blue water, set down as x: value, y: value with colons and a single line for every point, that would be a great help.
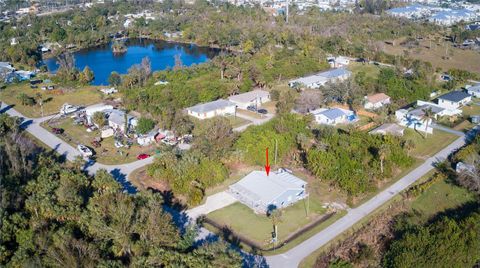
x: 162, y: 56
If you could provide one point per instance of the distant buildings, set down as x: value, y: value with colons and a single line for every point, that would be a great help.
x: 320, y: 79
x: 212, y: 109
x: 436, y: 14
x: 261, y: 192
x: 333, y: 116
x: 253, y: 98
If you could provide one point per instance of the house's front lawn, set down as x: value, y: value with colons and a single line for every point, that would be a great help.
x: 242, y: 220
x: 431, y: 144
x: 236, y: 121
x: 107, y: 153
x: 53, y: 100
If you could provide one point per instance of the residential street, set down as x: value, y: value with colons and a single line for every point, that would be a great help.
x: 293, y: 257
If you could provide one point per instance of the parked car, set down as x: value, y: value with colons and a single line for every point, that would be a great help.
x: 33, y: 87
x: 68, y: 108
x: 142, y: 156
x: 252, y: 108
x: 262, y: 111
x: 84, y: 150
x: 57, y: 131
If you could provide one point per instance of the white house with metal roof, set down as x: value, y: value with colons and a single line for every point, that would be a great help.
x: 454, y: 99
x: 211, y: 109
x: 253, y: 98
x: 333, y: 116
x: 474, y: 91
x: 259, y: 191
x: 320, y: 79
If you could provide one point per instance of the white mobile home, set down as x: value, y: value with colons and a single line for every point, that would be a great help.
x: 320, y: 79
x: 212, y: 109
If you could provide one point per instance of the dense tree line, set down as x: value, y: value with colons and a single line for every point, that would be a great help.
x: 447, y: 242
x: 53, y: 215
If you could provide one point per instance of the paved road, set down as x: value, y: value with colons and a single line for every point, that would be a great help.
x: 293, y: 257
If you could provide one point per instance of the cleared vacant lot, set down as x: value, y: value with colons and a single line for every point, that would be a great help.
x: 457, y: 58
x: 53, y: 99
x: 429, y: 145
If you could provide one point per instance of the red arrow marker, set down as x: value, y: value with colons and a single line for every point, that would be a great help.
x: 267, y: 166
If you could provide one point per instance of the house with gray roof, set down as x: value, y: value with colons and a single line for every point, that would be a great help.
x: 116, y: 119
x: 334, y: 116
x: 260, y: 192
x: 320, y: 79
x: 474, y: 91
x: 211, y: 109
x: 252, y: 98
x: 454, y: 99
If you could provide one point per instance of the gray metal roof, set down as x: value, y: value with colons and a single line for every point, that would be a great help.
x: 333, y: 73
x: 475, y: 88
x: 259, y: 187
x: 419, y: 111
x: 211, y: 106
x: 455, y: 96
x: 249, y: 96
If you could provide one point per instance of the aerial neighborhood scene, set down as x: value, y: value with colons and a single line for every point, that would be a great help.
x: 240, y: 133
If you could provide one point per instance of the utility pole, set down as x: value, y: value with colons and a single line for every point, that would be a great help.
x: 287, y: 11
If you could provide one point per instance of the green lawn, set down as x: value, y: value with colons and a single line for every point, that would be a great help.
x: 55, y: 99
x: 107, y: 153
x: 440, y: 197
x: 236, y: 121
x: 257, y: 227
x: 433, y: 143
x: 370, y: 70
x: 471, y: 109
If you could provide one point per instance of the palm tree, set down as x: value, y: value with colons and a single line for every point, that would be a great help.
x: 427, y: 118
x: 383, y: 152
x: 409, y: 145
x: 275, y: 216
x: 39, y: 100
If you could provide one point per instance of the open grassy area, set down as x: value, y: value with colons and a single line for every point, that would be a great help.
x: 53, y: 99
x: 107, y: 153
x: 433, y: 143
x: 259, y: 227
x: 440, y: 197
x: 471, y: 109
x: 370, y: 70
x: 237, y: 121
x: 435, y: 51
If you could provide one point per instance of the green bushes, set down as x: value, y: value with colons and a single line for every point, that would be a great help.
x: 353, y: 161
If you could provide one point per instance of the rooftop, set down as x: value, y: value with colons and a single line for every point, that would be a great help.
x: 211, y: 106
x: 377, y: 97
x: 249, y: 96
x: 322, y: 76
x: 454, y: 96
x: 420, y: 110
x: 259, y: 187
x: 332, y: 113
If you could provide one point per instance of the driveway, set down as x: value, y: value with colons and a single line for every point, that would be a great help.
x: 254, y: 121
x: 213, y: 202
x: 293, y: 257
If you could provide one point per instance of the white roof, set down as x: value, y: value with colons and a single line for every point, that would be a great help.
x: 265, y: 189
x: 249, y: 96
x: 211, y: 106
x: 322, y: 77
x: 90, y: 110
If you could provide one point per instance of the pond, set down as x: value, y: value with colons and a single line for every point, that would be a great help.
x: 161, y: 53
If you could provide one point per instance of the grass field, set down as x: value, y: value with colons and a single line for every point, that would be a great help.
x: 458, y: 58
x: 433, y: 143
x: 370, y: 70
x: 259, y: 227
x: 82, y: 96
x: 107, y: 153
x: 440, y: 197
x: 472, y: 109
x: 236, y: 121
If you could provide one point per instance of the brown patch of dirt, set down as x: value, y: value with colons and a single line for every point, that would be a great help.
x: 366, y: 246
x: 143, y: 181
